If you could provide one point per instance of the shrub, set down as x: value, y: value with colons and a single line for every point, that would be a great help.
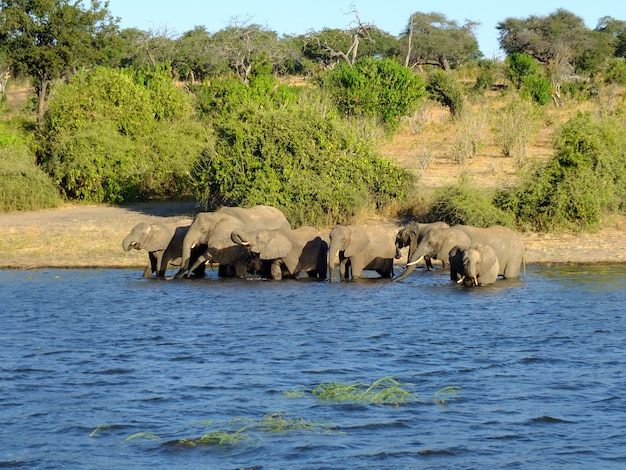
x: 514, y: 126
x: 444, y: 88
x: 318, y: 168
x: 470, y: 135
x: 463, y: 203
x: 537, y: 89
x: 111, y: 136
x: 23, y: 185
x: 585, y: 178
x: 519, y: 66
x: 382, y: 89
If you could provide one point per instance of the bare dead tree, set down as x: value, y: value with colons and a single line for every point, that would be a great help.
x: 359, y: 31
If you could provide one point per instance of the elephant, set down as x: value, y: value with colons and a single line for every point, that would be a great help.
x: 438, y: 242
x: 214, y: 230
x: 163, y: 244
x: 290, y: 252
x: 477, y: 265
x: 412, y: 235
x: 360, y: 248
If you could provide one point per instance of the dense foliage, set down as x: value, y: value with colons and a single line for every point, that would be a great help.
x: 118, y: 136
x: 446, y: 89
x: 282, y: 148
x: 382, y: 89
x: 23, y: 185
x: 48, y: 39
x: 585, y: 178
x: 465, y: 203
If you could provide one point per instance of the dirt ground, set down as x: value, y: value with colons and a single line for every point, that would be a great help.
x: 90, y: 236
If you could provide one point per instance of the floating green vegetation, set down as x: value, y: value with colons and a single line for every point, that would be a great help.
x: 442, y: 395
x: 143, y: 435
x: 386, y: 391
x: 212, y: 438
x: 278, y: 423
x: 294, y: 393
x: 100, y: 427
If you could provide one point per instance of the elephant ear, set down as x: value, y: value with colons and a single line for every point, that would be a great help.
x: 221, y: 237
x: 488, y: 258
x: 278, y: 246
x: 158, y: 237
x: 358, y: 241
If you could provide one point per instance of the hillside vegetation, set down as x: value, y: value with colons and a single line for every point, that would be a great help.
x: 334, y: 126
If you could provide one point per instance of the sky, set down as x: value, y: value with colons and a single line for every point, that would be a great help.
x: 299, y: 17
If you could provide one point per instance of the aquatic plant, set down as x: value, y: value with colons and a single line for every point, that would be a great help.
x: 387, y: 391
x: 442, y: 395
x: 143, y: 435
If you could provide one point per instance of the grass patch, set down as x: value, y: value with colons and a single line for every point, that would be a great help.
x: 385, y: 391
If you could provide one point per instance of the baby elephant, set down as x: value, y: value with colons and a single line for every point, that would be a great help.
x: 163, y: 244
x: 477, y: 265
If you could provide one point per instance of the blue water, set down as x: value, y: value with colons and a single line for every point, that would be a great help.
x: 105, y: 369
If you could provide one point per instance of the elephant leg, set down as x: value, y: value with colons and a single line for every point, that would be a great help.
x: 387, y: 270
x: 241, y: 269
x: 152, y: 265
x: 200, y: 270
x: 429, y: 263
x: 276, y: 271
x: 226, y: 270
x: 344, y: 268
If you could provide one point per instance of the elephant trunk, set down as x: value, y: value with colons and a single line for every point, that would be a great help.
x: 333, y: 256
x: 409, y: 269
x: 128, y: 243
x: 185, y: 257
x: 412, y: 261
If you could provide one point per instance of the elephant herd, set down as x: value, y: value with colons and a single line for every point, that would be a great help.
x: 260, y: 240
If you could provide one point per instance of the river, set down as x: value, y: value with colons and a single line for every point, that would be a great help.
x: 105, y: 369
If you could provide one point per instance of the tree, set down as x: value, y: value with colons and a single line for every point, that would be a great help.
x: 431, y: 38
x: 244, y: 47
x: 194, y: 59
x: 560, y: 40
x: 616, y: 30
x: 48, y: 39
x: 330, y: 46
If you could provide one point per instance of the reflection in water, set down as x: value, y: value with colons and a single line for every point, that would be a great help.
x: 102, y: 368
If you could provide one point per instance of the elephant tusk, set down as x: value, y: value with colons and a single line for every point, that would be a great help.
x: 476, y: 280
x: 460, y: 280
x: 413, y: 263
x: 245, y: 243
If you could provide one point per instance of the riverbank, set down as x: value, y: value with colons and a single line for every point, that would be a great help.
x: 82, y: 236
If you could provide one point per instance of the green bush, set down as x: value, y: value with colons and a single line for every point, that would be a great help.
x: 537, y: 89
x: 382, y: 89
x: 444, y: 88
x: 297, y: 156
x: 23, y: 185
x: 114, y: 136
x: 519, y: 67
x: 463, y: 203
x: 585, y: 179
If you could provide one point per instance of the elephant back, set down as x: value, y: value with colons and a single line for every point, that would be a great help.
x: 259, y: 217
